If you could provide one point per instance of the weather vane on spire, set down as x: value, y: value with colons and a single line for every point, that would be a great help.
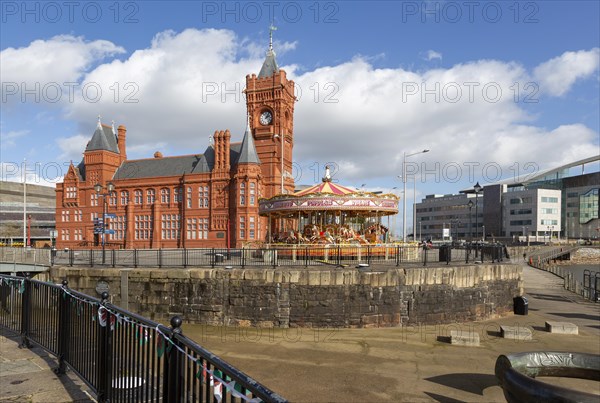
x: 272, y: 28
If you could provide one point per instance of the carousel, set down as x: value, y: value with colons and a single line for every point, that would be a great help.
x: 328, y: 213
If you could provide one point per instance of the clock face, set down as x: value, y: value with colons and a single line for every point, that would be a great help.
x: 266, y: 118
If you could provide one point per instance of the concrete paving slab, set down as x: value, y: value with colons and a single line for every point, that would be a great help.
x: 464, y: 338
x: 26, y: 375
x: 516, y: 333
x: 561, y: 327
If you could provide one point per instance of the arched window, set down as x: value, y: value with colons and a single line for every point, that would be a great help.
x: 124, y: 197
x: 150, y: 196
x: 252, y: 193
x: 189, y: 197
x: 242, y: 194
x: 137, y: 196
x: 177, y: 195
x: 165, y: 194
x: 112, y: 198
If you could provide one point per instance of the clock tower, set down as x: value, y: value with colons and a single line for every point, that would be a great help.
x: 270, y: 104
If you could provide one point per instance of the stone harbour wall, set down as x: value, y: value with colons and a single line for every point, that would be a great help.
x: 313, y: 297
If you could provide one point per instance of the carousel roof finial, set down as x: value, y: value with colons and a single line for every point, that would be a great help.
x: 327, y: 177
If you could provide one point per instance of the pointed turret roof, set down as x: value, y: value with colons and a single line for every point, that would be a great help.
x: 269, y: 66
x: 248, y: 153
x: 103, y: 139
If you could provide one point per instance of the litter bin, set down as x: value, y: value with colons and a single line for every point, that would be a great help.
x: 445, y: 253
x: 219, y: 258
x: 521, y: 306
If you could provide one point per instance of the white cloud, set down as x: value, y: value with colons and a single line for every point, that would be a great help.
x: 72, y: 147
x: 62, y: 58
x: 188, y: 84
x: 9, y: 139
x: 557, y: 75
x: 432, y: 54
x: 34, y: 173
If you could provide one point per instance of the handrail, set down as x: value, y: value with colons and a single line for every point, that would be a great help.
x: 119, y: 354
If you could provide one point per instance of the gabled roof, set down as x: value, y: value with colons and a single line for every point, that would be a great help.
x: 80, y: 170
x: 247, y: 153
x: 103, y: 139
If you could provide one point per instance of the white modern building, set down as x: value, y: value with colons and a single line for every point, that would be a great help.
x: 552, y: 204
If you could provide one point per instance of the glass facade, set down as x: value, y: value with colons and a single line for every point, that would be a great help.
x: 588, y: 206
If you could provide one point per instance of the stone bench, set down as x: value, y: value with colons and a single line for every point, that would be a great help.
x: 515, y: 332
x: 562, y: 327
x: 464, y: 338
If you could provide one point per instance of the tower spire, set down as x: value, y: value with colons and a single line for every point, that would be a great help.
x: 271, y: 29
x: 269, y: 66
x: 99, y: 122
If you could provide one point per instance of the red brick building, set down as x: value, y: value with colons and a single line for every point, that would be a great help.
x: 199, y: 200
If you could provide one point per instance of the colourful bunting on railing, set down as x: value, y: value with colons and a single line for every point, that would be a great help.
x: 22, y: 287
x: 141, y: 334
x: 164, y: 343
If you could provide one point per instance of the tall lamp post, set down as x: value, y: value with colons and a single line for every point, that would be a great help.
x: 109, y: 189
x: 477, y: 189
x: 470, y: 205
x: 405, y: 155
x: 282, y: 138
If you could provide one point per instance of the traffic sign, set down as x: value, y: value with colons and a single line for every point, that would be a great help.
x: 110, y: 215
x: 109, y: 231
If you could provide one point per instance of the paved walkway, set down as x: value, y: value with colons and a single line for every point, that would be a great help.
x: 547, y: 297
x: 26, y: 376
x: 355, y: 364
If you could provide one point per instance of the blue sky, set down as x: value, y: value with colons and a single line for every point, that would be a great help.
x: 363, y: 69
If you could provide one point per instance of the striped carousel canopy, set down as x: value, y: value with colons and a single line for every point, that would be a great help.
x: 325, y: 187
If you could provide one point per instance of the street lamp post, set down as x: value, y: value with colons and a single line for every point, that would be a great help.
x: 477, y: 189
x: 404, y: 183
x: 109, y: 188
x: 282, y: 138
x: 470, y: 205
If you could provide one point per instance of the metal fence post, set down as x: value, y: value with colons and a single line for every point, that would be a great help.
x: 91, y: 258
x: 185, y: 258
x: 397, y: 255
x: 213, y: 257
x: 104, y: 355
x: 112, y: 257
x: 135, y: 258
x: 244, y: 257
x: 174, y: 367
x: 306, y: 256
x: 339, y: 257
x: 71, y: 257
x: 160, y: 257
x: 424, y: 255
x: 25, y: 312
x: 64, y: 324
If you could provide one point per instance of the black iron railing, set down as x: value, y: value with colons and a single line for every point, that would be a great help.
x: 121, y: 356
x: 280, y: 256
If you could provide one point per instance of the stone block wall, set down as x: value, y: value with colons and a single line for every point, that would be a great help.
x: 323, y: 297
